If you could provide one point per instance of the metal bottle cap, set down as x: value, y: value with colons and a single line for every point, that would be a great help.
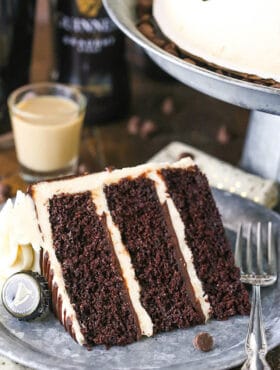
x: 25, y: 296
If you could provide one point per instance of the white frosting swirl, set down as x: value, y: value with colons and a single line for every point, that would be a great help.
x: 20, y: 238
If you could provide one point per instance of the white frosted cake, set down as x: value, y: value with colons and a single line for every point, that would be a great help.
x: 126, y: 253
x: 240, y: 35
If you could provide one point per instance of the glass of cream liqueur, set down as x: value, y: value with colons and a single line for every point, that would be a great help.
x: 47, y: 119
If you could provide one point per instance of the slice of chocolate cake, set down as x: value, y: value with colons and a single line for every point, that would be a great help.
x: 134, y: 252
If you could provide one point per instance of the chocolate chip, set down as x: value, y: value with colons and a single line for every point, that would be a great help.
x: 167, y: 106
x: 223, y: 135
x: 189, y: 60
x: 5, y: 192
x: 148, y: 128
x: 82, y: 169
x: 145, y: 18
x: 133, y: 125
x: 185, y: 155
x: 142, y: 11
x: 145, y: 3
x: 158, y: 41
x: 147, y: 29
x: 110, y: 168
x: 171, y: 48
x: 220, y: 71
x: 144, y: 6
x: 203, y: 341
x: 255, y: 77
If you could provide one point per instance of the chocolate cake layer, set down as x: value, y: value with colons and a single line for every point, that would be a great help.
x: 205, y: 236
x: 136, y: 210
x: 91, y: 271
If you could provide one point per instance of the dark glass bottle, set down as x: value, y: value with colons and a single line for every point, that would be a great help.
x: 16, y: 36
x: 90, y: 54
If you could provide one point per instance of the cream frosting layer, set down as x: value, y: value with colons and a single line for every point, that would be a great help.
x: 239, y: 35
x: 179, y: 229
x: 95, y: 183
x: 127, y: 269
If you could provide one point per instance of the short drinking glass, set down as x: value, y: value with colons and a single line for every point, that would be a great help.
x: 47, y: 119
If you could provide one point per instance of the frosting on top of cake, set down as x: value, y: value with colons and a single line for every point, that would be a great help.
x: 239, y: 35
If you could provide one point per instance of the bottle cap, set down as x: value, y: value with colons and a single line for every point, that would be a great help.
x: 25, y: 296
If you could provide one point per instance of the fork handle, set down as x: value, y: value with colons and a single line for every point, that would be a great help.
x: 256, y: 345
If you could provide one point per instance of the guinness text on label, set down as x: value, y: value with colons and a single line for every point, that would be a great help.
x: 86, y: 25
x: 78, y: 33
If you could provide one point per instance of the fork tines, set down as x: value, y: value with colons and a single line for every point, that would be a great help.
x: 259, y: 258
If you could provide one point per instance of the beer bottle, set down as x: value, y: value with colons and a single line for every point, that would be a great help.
x: 16, y: 36
x: 90, y: 53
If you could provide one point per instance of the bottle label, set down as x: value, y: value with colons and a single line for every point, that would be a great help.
x: 90, y: 32
x: 90, y: 53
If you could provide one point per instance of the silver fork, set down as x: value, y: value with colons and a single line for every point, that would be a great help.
x: 258, y: 274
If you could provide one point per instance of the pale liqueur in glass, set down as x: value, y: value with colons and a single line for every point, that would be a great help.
x: 47, y: 121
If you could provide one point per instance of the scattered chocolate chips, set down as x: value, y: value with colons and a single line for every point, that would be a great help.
x: 147, y: 128
x: 185, y: 155
x: 223, y: 135
x: 144, y: 129
x: 167, y: 106
x: 5, y: 192
x: 203, y: 341
x: 133, y: 125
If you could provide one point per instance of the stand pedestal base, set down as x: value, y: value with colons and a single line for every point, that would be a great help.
x: 261, y: 153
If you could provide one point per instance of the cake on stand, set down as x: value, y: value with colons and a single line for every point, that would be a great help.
x: 261, y: 152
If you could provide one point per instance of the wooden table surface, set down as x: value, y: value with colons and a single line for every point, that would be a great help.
x: 208, y: 124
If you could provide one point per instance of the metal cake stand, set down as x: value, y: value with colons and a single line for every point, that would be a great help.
x: 261, y: 153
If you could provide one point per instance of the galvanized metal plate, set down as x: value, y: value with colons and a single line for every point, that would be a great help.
x: 45, y: 345
x: 242, y: 93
